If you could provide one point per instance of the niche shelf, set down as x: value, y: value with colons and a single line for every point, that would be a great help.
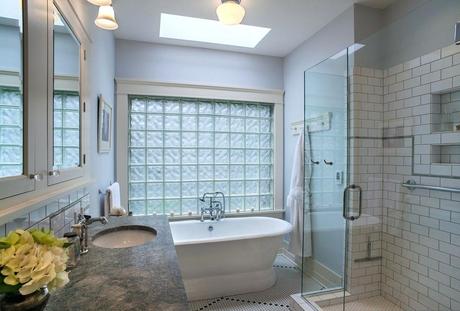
x: 438, y: 153
x: 445, y: 112
x: 445, y: 154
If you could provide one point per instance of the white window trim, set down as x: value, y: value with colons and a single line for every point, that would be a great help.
x: 127, y: 87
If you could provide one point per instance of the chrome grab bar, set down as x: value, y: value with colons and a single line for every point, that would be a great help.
x: 345, y: 199
x: 411, y: 185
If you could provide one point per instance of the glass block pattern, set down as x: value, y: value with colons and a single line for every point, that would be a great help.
x: 11, y: 132
x: 66, y: 127
x: 182, y: 148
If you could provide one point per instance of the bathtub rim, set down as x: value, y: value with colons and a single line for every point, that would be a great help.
x: 279, y: 232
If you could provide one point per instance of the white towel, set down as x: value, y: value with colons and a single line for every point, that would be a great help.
x: 112, y: 201
x: 295, y: 202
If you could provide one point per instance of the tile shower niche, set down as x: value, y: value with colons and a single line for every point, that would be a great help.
x: 446, y: 112
x: 445, y: 154
x: 440, y: 150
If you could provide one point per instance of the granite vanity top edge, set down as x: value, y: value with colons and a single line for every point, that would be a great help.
x: 144, y: 277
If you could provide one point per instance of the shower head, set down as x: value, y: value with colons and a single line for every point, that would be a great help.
x: 457, y: 33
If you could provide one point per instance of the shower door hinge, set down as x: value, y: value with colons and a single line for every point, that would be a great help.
x: 84, y: 106
x: 84, y: 159
x: 84, y: 54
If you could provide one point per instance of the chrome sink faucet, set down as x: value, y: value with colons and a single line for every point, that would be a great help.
x: 216, y: 209
x: 81, y: 228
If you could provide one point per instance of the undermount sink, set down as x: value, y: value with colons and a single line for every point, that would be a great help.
x: 124, y: 236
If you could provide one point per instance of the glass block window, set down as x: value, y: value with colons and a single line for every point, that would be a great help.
x: 66, y: 130
x: 182, y: 148
x: 11, y: 132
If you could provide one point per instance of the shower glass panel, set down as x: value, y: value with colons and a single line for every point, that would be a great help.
x: 404, y: 125
x: 325, y: 130
x: 385, y: 112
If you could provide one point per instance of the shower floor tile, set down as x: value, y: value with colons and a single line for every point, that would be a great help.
x: 369, y: 304
x: 272, y: 299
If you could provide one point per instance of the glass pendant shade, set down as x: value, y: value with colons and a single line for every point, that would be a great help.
x: 230, y: 12
x: 106, y: 18
x: 100, y: 2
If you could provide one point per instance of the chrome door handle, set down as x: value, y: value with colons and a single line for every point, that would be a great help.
x: 345, y: 200
x: 36, y: 176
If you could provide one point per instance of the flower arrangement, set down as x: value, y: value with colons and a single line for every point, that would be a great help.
x: 31, y: 260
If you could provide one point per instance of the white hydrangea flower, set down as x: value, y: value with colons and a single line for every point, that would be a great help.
x: 33, y: 264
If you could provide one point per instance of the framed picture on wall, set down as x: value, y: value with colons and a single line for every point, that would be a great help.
x: 104, y: 126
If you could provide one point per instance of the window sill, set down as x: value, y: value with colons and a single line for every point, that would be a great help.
x: 273, y: 213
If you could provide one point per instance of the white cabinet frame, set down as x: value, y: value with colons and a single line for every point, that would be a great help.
x: 79, y: 32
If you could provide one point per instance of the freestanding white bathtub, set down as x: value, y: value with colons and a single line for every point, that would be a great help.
x: 235, y: 257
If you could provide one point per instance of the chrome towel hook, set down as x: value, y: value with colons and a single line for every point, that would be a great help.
x: 328, y: 162
x: 314, y: 162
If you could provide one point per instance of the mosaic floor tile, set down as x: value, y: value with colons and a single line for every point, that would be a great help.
x: 272, y: 299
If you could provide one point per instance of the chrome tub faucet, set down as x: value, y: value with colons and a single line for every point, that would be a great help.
x: 216, y: 209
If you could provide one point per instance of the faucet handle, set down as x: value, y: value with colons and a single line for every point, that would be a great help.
x: 77, y: 229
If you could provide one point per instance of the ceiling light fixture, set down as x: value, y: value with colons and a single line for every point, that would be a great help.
x: 100, y: 2
x: 230, y: 12
x: 106, y: 18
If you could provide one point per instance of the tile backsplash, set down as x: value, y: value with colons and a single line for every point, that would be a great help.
x: 58, y: 214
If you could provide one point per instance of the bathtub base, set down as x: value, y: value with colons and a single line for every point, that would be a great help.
x: 231, y: 284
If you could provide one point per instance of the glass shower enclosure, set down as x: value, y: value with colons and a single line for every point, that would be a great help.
x: 382, y: 166
x: 343, y: 176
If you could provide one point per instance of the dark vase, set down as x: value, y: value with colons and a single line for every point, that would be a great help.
x: 33, y: 302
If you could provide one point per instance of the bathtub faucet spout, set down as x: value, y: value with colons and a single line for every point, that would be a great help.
x: 216, y: 209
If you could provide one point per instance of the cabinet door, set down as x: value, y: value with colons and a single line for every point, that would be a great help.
x: 16, y: 149
x: 65, y: 157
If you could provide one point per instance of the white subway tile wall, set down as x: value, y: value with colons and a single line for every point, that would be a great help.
x: 366, y: 156
x: 420, y: 239
x: 402, y: 128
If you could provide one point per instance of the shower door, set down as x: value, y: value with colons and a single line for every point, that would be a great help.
x: 329, y: 198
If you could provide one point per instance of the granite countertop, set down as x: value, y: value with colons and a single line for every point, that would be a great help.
x: 145, y: 277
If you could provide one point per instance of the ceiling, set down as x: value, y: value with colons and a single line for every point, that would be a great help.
x: 291, y: 21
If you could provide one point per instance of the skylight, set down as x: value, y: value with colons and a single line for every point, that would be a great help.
x: 210, y: 31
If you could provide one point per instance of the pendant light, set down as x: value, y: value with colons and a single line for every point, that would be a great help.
x: 230, y: 12
x: 106, y: 18
x: 100, y: 2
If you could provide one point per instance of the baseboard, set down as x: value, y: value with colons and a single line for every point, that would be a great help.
x: 320, y: 272
x: 313, y: 268
x: 285, y: 251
